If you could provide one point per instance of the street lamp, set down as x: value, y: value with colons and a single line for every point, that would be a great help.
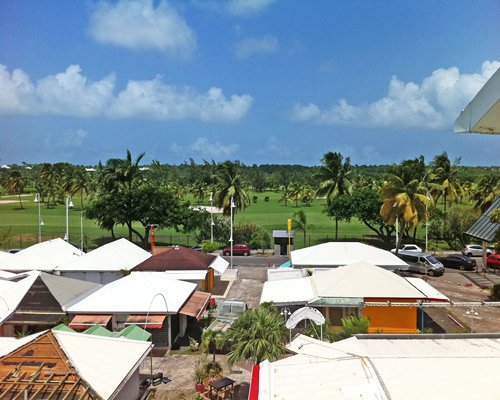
x: 473, y: 313
x: 40, y: 221
x: 231, y: 238
x: 427, y: 223
x: 69, y: 204
x: 285, y: 313
x: 211, y: 218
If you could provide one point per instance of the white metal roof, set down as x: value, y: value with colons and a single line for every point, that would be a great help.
x: 482, y: 114
x: 114, y: 256
x: 142, y: 292
x: 288, y: 291
x: 358, y: 280
x: 6, y: 274
x: 105, y: 363
x: 182, y: 275
x: 362, y: 280
x: 430, y: 291
x: 44, y: 256
x: 334, y: 254
x: 11, y: 295
x: 10, y: 344
x: 432, y: 367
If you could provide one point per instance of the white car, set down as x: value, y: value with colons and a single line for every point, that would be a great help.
x: 475, y: 250
x: 408, y: 247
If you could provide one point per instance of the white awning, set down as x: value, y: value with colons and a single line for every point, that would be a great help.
x: 482, y: 114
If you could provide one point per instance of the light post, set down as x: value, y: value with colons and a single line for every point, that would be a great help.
x: 473, y: 313
x: 285, y: 313
x: 81, y: 230
x: 231, y: 237
x: 427, y: 224
x: 69, y: 204
x: 40, y: 221
x: 211, y: 218
x: 397, y: 228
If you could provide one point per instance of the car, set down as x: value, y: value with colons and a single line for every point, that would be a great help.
x: 239, y: 249
x: 409, y: 247
x: 458, y: 261
x: 493, y: 261
x: 198, y: 247
x: 475, y: 250
x: 424, y: 263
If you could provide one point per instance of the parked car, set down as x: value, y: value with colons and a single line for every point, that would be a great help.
x: 409, y: 247
x: 493, y: 261
x: 424, y: 263
x: 238, y: 250
x: 475, y: 250
x: 458, y: 261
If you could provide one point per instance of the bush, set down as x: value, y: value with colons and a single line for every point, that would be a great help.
x: 210, y: 247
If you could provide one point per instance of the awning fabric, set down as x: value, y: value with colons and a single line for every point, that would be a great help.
x: 146, y: 321
x: 196, y: 305
x: 86, y: 321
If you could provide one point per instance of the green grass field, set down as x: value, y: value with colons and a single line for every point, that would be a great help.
x: 19, y: 227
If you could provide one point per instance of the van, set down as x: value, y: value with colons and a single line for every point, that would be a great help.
x: 424, y: 263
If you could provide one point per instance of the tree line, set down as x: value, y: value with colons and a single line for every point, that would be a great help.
x: 127, y: 191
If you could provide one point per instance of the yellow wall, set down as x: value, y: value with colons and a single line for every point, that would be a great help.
x: 391, y: 319
x: 208, y: 284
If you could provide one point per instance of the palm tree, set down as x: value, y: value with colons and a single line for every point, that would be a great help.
x: 334, y: 178
x: 15, y: 184
x: 444, y: 179
x: 486, y: 191
x: 259, y: 334
x: 212, y: 340
x: 230, y: 185
x: 122, y: 173
x: 403, y: 200
x: 300, y: 223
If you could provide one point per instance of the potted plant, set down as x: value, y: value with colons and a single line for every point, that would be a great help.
x: 200, y: 373
x: 193, y: 344
x: 198, y: 396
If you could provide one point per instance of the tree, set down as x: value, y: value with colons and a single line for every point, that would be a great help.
x: 335, y: 179
x: 257, y: 335
x: 15, y: 184
x: 300, y: 223
x: 486, y: 191
x: 404, y: 197
x: 212, y: 340
x: 444, y: 179
x: 230, y: 185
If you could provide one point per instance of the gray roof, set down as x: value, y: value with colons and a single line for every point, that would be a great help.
x: 67, y: 290
x: 483, y: 228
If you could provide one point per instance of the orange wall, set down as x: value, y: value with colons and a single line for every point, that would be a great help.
x: 391, y: 319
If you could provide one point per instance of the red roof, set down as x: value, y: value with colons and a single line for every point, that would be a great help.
x: 175, y: 259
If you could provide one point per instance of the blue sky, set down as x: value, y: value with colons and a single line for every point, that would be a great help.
x: 259, y: 81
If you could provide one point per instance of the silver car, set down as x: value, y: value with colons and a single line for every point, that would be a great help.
x: 424, y: 263
x: 475, y: 250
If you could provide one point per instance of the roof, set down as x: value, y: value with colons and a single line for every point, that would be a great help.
x: 114, y: 256
x: 482, y: 114
x: 196, y: 305
x: 135, y: 332
x: 196, y: 275
x: 42, y: 293
x: 379, y: 367
x: 334, y: 254
x: 44, y: 256
x: 355, y: 281
x: 137, y: 293
x: 177, y: 258
x: 362, y: 280
x: 483, y: 228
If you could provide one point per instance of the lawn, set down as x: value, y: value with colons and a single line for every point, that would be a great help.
x: 19, y: 228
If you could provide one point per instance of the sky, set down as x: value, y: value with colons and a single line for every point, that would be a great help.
x: 260, y: 81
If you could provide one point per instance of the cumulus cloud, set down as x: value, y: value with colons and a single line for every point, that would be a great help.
x: 254, y: 46
x: 74, y: 137
x: 137, y: 24
x: 432, y: 104
x: 70, y: 93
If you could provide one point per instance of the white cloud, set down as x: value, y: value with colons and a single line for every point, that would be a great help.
x: 70, y: 93
x: 213, y: 150
x: 137, y: 24
x: 254, y: 46
x: 247, y: 7
x: 432, y: 104
x: 74, y: 138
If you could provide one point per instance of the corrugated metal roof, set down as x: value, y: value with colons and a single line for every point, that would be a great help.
x: 483, y: 228
x: 176, y: 258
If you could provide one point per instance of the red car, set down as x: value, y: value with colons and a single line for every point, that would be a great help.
x: 238, y: 250
x: 493, y: 261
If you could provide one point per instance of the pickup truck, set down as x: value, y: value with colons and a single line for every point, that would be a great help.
x: 228, y: 311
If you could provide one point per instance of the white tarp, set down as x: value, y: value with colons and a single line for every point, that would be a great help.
x: 219, y: 264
